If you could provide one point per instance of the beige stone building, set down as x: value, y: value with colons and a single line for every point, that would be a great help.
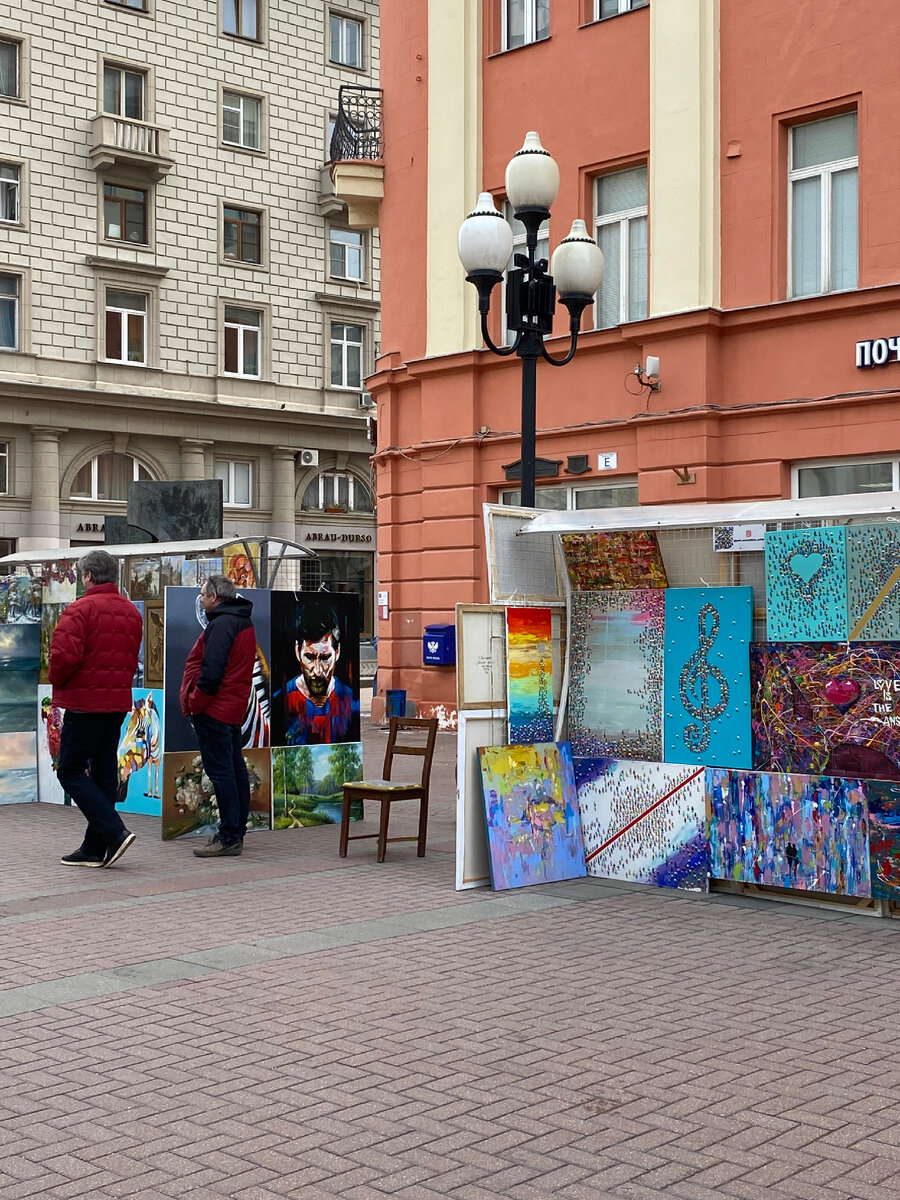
x: 182, y: 294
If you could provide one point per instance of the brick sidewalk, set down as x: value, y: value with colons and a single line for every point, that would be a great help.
x: 290, y: 1024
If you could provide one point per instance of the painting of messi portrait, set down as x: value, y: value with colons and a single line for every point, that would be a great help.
x: 315, y: 668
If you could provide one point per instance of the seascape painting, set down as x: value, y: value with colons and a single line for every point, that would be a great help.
x: 18, y: 768
x: 20, y: 658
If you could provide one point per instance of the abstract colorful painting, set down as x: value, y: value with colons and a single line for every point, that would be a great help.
x: 808, y: 832
x: 20, y: 657
x: 308, y: 782
x: 189, y: 799
x: 829, y: 710
x: 627, y: 558
x: 23, y: 600
x: 616, y: 674
x: 531, y: 809
x: 806, y: 585
x: 873, y: 582
x: 18, y: 768
x: 529, y: 637
x: 707, y: 676
x: 140, y: 755
x: 884, y: 838
x: 644, y: 822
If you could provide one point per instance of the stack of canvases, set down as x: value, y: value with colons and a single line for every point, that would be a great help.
x: 298, y: 754
x: 790, y: 748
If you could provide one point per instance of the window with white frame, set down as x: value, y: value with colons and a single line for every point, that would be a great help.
x: 107, y: 476
x: 241, y: 120
x: 620, y: 229
x: 125, y: 333
x: 345, y: 254
x: 520, y: 247
x: 10, y: 69
x: 10, y: 295
x: 346, y: 355
x: 615, y: 493
x: 345, y: 41
x: 243, y: 341
x: 237, y: 481
x: 240, y: 18
x: 124, y: 91
x: 4, y: 469
x: 10, y: 193
x: 524, y: 21
x: 337, y: 491
x: 612, y: 8
x: 845, y: 477
x: 823, y: 203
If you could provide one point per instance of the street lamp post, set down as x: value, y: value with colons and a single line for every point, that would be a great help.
x: 485, y: 246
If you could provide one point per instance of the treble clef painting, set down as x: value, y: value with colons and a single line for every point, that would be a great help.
x: 702, y: 687
x: 707, y: 676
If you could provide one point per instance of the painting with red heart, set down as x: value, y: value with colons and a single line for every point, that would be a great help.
x: 826, y: 709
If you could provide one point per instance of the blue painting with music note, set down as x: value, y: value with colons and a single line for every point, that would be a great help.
x: 806, y: 585
x: 706, y: 677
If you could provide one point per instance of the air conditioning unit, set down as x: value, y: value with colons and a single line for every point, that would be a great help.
x: 365, y: 400
x: 309, y: 458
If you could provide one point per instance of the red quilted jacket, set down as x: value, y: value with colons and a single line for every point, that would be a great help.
x: 94, y: 651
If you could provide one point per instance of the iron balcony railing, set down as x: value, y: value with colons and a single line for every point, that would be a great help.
x: 357, y: 130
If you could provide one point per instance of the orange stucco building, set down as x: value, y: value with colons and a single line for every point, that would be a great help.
x: 753, y: 151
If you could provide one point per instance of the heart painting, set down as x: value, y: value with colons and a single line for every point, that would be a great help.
x: 806, y: 566
x: 842, y: 692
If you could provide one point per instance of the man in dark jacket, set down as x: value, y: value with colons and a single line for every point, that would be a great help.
x: 93, y: 658
x: 215, y: 690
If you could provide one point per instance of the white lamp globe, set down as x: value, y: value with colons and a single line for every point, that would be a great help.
x: 577, y: 263
x: 532, y: 176
x: 485, y: 238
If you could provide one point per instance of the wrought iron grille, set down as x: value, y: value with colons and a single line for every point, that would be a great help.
x: 357, y: 130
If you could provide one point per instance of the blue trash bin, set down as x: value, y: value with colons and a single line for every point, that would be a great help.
x: 395, y: 702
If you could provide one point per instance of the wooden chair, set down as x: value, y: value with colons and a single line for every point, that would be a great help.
x: 386, y: 791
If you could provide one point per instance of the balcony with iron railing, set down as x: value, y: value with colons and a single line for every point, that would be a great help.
x: 356, y: 170
x: 124, y: 142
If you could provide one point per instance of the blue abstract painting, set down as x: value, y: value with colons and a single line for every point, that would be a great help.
x: 707, y: 676
x: 884, y: 838
x: 806, y: 585
x: 873, y: 583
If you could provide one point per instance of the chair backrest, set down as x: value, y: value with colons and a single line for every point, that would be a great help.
x: 400, y: 725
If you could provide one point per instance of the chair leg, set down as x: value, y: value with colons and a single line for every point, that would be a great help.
x: 345, y: 827
x: 423, y: 826
x: 383, y: 829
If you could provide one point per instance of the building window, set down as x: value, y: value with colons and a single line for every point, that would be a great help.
x: 345, y: 41
x: 123, y: 92
x: 10, y: 72
x: 616, y: 493
x: 106, y: 477
x: 4, y: 474
x: 137, y: 5
x: 241, y: 235
x: 241, y: 19
x: 243, y: 333
x: 10, y: 292
x: 124, y: 213
x: 241, y: 120
x: 337, y: 492
x: 849, y: 477
x: 824, y: 206
x: 237, y: 478
x: 346, y: 355
x: 525, y: 21
x: 345, y: 254
x: 620, y: 228
x: 126, y: 327
x: 519, y: 247
x: 612, y: 8
x: 10, y: 190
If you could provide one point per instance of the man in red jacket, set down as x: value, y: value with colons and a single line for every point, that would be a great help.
x: 93, y: 658
x: 215, y: 690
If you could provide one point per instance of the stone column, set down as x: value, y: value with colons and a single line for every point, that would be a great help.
x: 284, y: 489
x: 193, y: 458
x: 45, y: 530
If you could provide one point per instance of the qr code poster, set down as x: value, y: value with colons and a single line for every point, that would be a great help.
x: 739, y: 537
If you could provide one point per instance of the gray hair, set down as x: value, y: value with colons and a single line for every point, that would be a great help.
x: 103, y: 567
x: 221, y: 586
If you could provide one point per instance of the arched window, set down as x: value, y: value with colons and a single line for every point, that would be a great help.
x: 337, y: 491
x: 107, y: 476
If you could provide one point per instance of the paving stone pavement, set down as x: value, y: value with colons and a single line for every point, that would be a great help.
x: 291, y: 1024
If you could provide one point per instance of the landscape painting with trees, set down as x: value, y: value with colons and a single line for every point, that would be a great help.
x: 307, y: 783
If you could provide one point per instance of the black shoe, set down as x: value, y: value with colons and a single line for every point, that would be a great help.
x: 78, y: 858
x: 216, y: 848
x: 117, y: 849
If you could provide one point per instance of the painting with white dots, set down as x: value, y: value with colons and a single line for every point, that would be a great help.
x: 873, y: 582
x: 643, y: 821
x: 806, y: 585
x: 706, y: 677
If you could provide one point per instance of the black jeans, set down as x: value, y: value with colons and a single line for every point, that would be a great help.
x: 88, y: 771
x: 223, y: 762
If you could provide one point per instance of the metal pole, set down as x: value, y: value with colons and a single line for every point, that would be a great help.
x: 529, y: 404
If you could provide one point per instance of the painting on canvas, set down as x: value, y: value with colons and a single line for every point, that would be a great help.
x: 806, y: 585
x: 20, y: 656
x: 307, y: 784
x: 625, y: 558
x: 873, y: 573
x: 140, y: 754
x: 529, y: 691
x: 18, y: 768
x: 884, y: 838
x: 189, y: 799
